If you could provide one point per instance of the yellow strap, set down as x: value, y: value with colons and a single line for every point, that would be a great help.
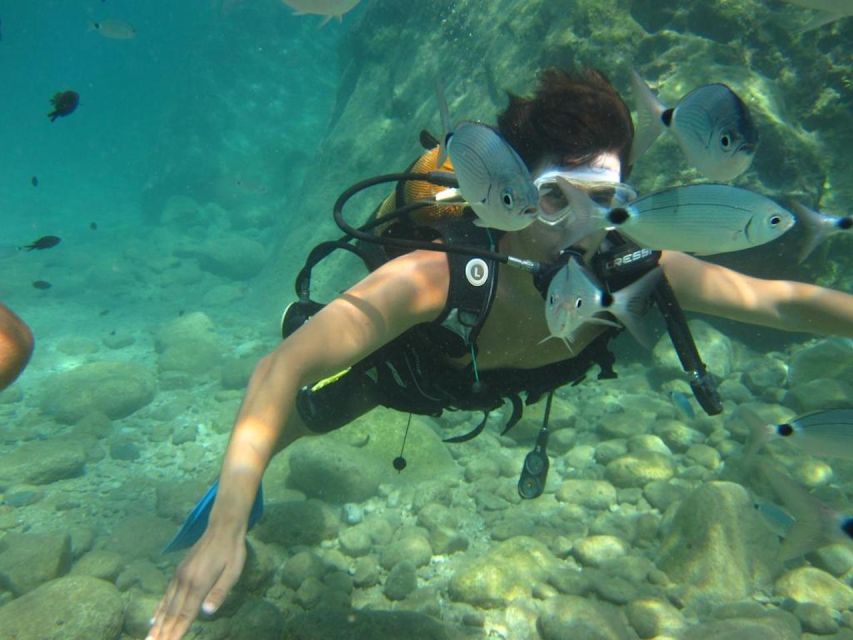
x: 334, y: 378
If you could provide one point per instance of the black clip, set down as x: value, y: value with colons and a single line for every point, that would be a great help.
x: 534, y: 472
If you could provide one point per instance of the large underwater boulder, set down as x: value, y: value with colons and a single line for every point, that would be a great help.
x: 42, y: 462
x: 71, y: 608
x: 188, y: 344
x: 28, y: 560
x: 232, y: 257
x: 714, y: 347
x: 717, y: 546
x: 116, y: 389
x: 510, y: 570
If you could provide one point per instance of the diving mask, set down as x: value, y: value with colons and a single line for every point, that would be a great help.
x: 601, y: 184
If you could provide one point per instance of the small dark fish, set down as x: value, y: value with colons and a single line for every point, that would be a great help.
x: 42, y: 284
x: 45, y: 242
x: 104, y: 312
x: 34, y: 181
x: 93, y: 226
x: 64, y: 103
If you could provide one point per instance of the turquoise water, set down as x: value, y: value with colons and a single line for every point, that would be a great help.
x: 200, y: 166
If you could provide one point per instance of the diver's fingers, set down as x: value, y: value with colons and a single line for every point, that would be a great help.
x: 181, y: 613
x: 216, y: 596
x: 182, y: 608
x: 160, y: 611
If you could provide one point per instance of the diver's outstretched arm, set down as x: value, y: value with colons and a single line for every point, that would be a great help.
x: 16, y: 346
x: 406, y: 291
x: 781, y: 304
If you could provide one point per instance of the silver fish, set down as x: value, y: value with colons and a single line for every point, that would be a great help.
x: 815, y: 523
x: 492, y: 178
x: 327, y: 8
x: 821, y: 433
x: 775, y: 517
x: 681, y: 401
x: 827, y: 11
x: 711, y: 124
x: 113, y: 29
x: 819, y: 226
x: 699, y: 218
x: 575, y: 297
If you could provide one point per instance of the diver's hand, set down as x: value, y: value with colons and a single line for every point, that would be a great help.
x: 202, y: 581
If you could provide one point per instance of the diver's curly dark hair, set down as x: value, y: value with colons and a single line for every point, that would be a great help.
x: 572, y: 117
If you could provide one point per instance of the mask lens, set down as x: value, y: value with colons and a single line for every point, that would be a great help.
x: 554, y: 207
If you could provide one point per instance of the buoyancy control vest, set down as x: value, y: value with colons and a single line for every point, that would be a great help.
x: 413, y: 370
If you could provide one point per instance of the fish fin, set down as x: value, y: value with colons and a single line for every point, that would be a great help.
x: 649, y: 112
x: 602, y: 321
x: 444, y: 112
x: 326, y: 21
x: 196, y: 522
x: 819, y: 19
x: 815, y: 232
x: 427, y: 140
x: 631, y: 303
x: 759, y: 433
x: 813, y: 521
x: 588, y: 217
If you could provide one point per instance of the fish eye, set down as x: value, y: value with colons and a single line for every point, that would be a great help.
x: 507, y: 199
x: 725, y: 139
x: 552, y: 300
x: 775, y: 220
x: 578, y: 303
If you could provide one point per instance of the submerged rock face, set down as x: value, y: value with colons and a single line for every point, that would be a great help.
x: 717, y: 546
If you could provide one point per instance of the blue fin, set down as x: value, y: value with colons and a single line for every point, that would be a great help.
x: 196, y: 521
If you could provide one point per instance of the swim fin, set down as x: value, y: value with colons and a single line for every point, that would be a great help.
x: 196, y: 521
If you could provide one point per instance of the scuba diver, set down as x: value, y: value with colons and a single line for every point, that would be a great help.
x: 451, y: 315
